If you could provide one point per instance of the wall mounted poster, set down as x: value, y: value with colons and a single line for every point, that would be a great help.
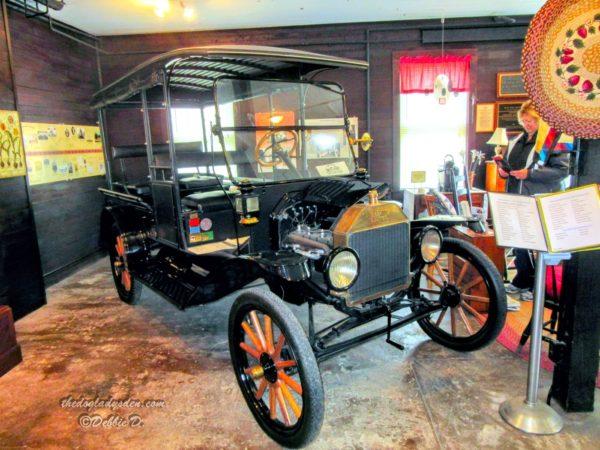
x: 510, y: 84
x: 12, y: 158
x: 506, y: 116
x: 485, y: 117
x: 62, y: 152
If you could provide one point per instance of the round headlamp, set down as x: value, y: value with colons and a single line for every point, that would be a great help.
x: 430, y: 243
x: 341, y: 269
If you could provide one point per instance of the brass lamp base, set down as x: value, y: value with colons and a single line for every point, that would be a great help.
x: 537, y: 418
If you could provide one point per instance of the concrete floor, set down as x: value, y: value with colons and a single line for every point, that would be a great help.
x: 86, y: 343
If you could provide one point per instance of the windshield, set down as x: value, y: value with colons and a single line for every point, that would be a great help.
x: 279, y: 130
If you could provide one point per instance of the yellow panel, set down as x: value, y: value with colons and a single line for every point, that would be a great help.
x: 12, y: 159
x: 62, y: 152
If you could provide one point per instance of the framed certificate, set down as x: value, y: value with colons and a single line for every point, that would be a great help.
x: 485, y: 116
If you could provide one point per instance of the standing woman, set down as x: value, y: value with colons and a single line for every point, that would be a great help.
x: 528, y: 176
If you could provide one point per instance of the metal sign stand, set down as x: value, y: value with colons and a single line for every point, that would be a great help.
x: 529, y: 415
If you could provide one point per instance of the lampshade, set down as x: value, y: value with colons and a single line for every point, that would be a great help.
x: 499, y: 138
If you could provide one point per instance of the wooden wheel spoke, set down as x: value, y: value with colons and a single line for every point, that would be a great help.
x: 462, y: 273
x: 250, y: 350
x: 272, y: 402
x: 440, y: 271
x: 279, y: 346
x: 252, y: 336
x: 453, y: 321
x: 261, y: 389
x: 432, y: 279
x: 269, y: 335
x: 284, y: 364
x: 464, y: 318
x: 290, y: 399
x: 285, y: 378
x: 258, y: 329
x: 441, y: 317
x: 472, y: 283
x: 472, y: 310
x: 126, y: 280
x: 451, y: 268
x: 282, y: 406
x: 475, y: 298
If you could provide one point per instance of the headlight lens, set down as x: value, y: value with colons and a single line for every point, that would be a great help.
x: 431, y: 244
x: 342, y: 269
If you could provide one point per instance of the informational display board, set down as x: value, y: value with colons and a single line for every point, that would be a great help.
x: 12, y: 158
x: 62, y: 152
x: 510, y: 84
x: 561, y: 222
x: 506, y: 116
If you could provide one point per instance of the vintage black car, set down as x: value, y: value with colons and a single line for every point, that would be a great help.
x: 231, y: 164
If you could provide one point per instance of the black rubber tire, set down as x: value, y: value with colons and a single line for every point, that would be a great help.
x: 309, y: 424
x: 132, y: 296
x: 497, y: 307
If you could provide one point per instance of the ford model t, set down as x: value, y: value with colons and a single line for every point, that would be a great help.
x: 230, y: 164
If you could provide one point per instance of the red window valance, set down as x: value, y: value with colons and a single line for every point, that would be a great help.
x: 418, y: 73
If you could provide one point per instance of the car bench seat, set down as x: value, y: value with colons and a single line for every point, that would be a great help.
x: 211, y: 201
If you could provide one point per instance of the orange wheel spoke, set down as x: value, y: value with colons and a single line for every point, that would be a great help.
x: 290, y: 399
x: 461, y: 313
x: 440, y: 271
x: 450, y: 268
x: 258, y: 329
x: 250, y: 350
x: 272, y: 402
x: 290, y: 382
x: 126, y: 280
x: 269, y: 335
x: 252, y: 336
x: 281, y: 401
x: 432, y: 279
x: 284, y: 364
x: 462, y: 273
x: 261, y: 389
x: 439, y: 320
x: 279, y: 346
x: 471, y: 284
x: 453, y: 321
x: 472, y: 310
x: 475, y: 298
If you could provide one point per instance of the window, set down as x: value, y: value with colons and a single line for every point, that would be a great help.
x: 428, y: 132
x: 187, y: 127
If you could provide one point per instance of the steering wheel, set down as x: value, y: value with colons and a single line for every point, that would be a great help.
x: 269, y: 156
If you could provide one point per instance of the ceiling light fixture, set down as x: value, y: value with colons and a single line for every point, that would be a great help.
x: 162, y: 7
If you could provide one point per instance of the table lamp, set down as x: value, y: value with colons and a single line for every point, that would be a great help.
x: 499, y: 139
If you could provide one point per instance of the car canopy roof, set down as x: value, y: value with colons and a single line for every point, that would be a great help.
x: 196, y: 68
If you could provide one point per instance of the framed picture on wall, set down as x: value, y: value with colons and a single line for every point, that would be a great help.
x: 506, y: 116
x: 510, y: 84
x: 485, y: 117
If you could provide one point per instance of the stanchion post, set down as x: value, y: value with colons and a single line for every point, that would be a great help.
x: 530, y: 415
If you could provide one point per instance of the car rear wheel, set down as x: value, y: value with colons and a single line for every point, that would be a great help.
x: 276, y: 368
x: 469, y: 289
x: 128, y: 288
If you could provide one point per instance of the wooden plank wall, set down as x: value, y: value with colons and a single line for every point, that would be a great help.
x: 347, y: 40
x: 21, y: 284
x: 55, y: 80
